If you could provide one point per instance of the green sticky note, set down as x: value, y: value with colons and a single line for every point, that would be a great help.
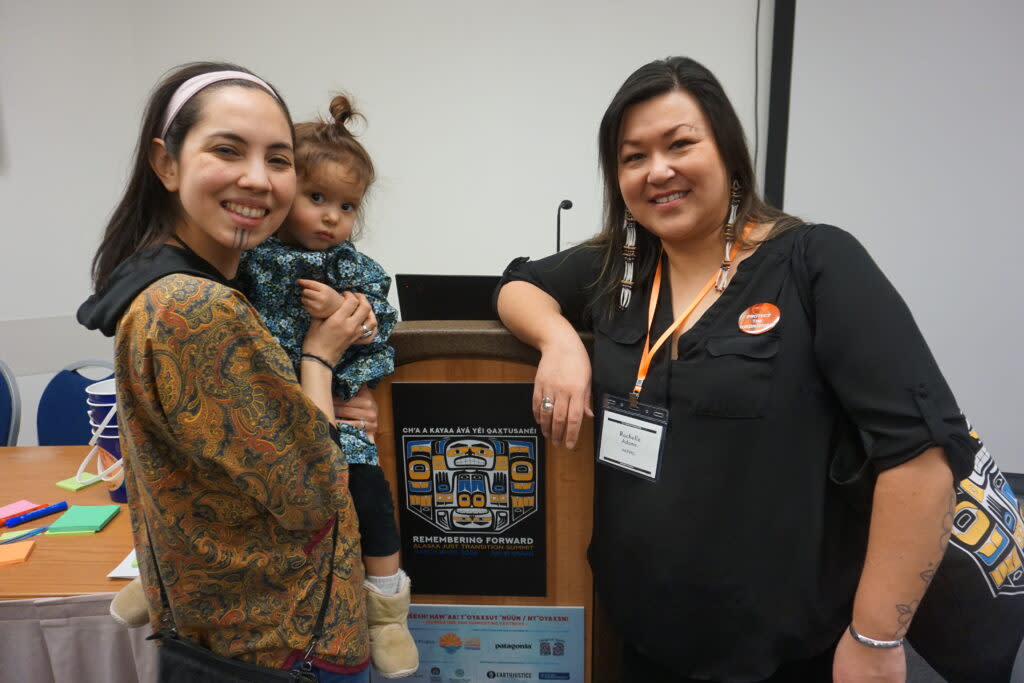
x: 14, y: 534
x: 72, y: 483
x: 83, y: 519
x: 68, y: 533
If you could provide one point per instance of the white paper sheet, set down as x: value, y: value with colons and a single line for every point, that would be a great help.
x: 128, y: 569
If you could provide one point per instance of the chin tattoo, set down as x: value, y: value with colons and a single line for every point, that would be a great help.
x: 241, y: 238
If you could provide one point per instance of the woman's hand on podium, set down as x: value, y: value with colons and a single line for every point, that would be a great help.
x: 561, y: 390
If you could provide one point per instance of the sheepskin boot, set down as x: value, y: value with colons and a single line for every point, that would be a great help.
x: 129, y: 607
x: 392, y: 647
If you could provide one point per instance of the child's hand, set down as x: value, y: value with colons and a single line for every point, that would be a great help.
x: 318, y: 299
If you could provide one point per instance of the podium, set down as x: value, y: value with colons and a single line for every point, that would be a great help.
x: 484, y: 351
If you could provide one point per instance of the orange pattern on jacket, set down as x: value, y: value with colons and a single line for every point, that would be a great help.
x: 238, y: 478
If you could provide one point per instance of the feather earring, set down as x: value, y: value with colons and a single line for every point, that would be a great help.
x: 629, y: 256
x: 729, y: 232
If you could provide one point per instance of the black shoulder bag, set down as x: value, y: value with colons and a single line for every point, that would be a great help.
x: 182, y: 661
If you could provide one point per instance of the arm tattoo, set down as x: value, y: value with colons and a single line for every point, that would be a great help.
x: 906, y: 610
x: 906, y: 613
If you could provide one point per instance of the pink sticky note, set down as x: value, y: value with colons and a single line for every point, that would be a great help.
x: 15, y: 509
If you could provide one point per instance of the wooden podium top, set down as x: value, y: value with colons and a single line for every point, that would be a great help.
x: 60, y: 566
x: 418, y: 340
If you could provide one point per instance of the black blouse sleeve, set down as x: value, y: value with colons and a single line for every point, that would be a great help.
x: 876, y: 360
x: 568, y: 276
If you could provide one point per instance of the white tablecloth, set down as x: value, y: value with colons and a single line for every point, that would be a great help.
x: 72, y: 640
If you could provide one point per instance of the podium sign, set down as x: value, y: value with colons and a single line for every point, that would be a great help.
x: 479, y: 643
x: 470, y: 461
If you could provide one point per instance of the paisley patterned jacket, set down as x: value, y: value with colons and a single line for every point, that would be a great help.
x: 235, y: 474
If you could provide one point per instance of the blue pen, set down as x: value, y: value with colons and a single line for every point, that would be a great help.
x: 36, y: 514
x: 27, y: 534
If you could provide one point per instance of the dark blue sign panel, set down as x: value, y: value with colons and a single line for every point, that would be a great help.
x: 471, y: 482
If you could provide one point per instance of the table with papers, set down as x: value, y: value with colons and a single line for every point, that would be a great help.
x: 54, y: 607
x: 60, y: 566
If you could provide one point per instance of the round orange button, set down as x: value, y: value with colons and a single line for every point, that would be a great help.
x: 760, y: 318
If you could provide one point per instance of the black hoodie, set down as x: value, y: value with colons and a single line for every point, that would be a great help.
x: 103, y: 310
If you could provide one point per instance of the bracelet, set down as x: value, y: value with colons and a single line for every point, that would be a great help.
x: 318, y: 359
x: 871, y: 642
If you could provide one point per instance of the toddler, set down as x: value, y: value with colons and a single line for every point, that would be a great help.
x: 307, y: 270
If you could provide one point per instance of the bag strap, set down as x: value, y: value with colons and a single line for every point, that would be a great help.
x: 318, y: 628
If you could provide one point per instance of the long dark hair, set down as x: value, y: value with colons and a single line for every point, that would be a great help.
x: 317, y: 142
x: 647, y: 82
x: 147, y: 213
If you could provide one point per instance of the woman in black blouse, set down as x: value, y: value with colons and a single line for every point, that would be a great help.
x: 804, y: 493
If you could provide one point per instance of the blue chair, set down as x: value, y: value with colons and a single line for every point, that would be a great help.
x: 10, y: 407
x: 62, y: 419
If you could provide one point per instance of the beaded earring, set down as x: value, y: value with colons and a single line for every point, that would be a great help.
x: 729, y: 231
x: 629, y: 256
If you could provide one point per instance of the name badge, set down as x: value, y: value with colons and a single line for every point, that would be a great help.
x: 632, y: 439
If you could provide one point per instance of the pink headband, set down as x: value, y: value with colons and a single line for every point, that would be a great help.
x: 187, y: 90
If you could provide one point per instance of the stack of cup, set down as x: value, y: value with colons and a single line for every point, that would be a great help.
x: 101, y: 401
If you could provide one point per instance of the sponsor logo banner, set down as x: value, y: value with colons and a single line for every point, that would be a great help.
x: 475, y: 643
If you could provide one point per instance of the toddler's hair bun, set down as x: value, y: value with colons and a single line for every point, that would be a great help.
x: 342, y: 111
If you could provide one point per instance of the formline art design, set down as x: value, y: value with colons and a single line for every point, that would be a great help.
x: 471, y: 484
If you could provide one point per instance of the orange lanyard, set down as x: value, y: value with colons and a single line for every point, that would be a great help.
x: 649, y: 351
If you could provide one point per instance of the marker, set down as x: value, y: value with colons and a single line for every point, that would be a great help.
x: 29, y: 516
x: 22, y: 512
x: 27, y: 534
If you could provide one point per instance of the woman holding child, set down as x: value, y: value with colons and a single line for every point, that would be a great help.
x: 246, y: 533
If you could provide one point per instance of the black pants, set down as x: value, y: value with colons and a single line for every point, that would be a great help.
x: 371, y: 496
x: 638, y: 668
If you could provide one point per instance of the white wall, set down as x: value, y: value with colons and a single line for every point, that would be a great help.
x: 70, y: 93
x: 905, y: 130
x: 482, y: 117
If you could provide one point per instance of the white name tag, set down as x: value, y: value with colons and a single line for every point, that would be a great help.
x: 632, y: 439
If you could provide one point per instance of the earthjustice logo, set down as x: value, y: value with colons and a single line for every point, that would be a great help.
x: 465, y: 483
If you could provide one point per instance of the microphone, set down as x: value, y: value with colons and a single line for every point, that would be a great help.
x: 564, y: 204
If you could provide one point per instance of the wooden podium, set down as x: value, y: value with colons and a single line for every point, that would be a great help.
x: 484, y: 351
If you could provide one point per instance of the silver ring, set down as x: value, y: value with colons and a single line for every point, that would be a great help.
x: 546, y: 404
x: 362, y: 425
x: 367, y: 332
